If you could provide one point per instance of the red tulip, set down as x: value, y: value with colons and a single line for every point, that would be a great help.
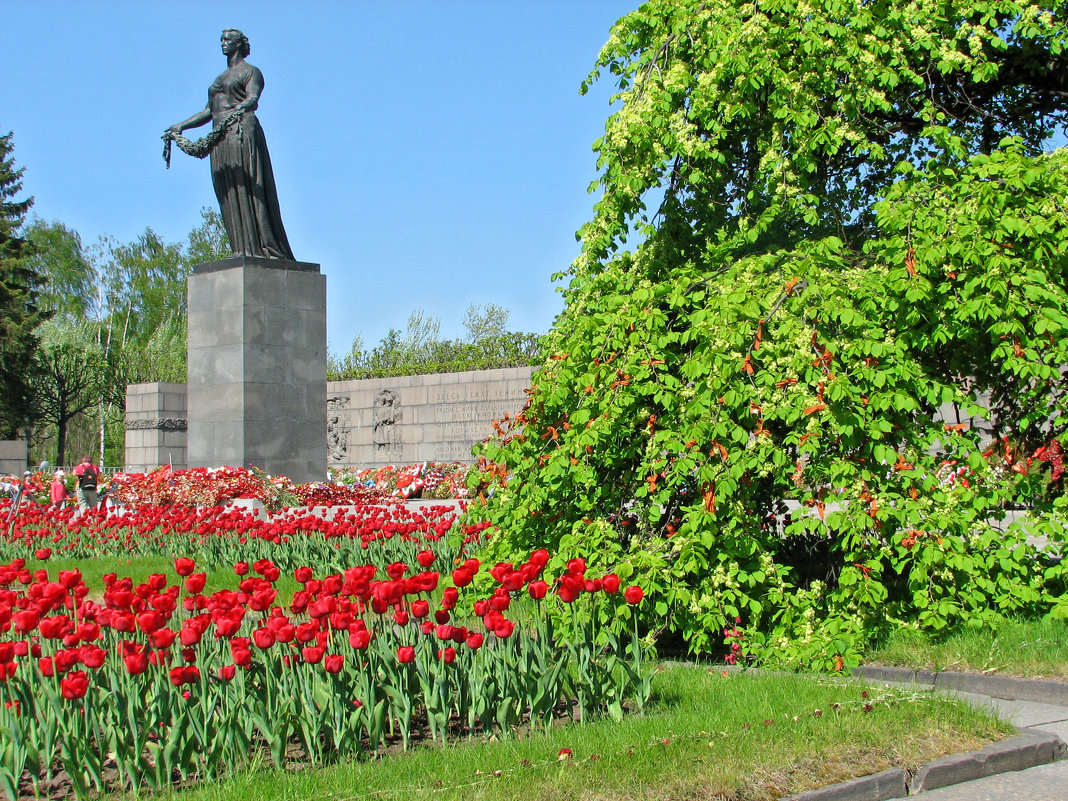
x: 43, y: 554
x: 359, y: 639
x: 184, y: 566
x: 333, y: 663
x: 425, y: 558
x: 513, y: 581
x: 163, y: 638
x: 75, y: 685
x: 195, y: 583
x: 54, y: 628
x: 136, y: 663
x: 633, y: 594
x: 263, y: 638
x: 405, y: 654
x: 92, y: 656
x: 504, y: 629
x: 150, y: 621
x: 25, y: 620
x: 242, y: 655
x: 610, y: 584
x: 157, y: 581
x: 537, y: 589
x: 184, y: 674
x: 313, y: 653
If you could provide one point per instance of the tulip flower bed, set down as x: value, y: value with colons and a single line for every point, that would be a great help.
x: 216, y: 536
x: 214, y: 486
x: 164, y: 682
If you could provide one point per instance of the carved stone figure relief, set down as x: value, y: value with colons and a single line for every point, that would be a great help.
x: 337, y: 429
x: 386, y: 415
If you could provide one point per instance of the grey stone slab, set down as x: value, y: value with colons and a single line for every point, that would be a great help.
x: 172, y: 439
x: 1025, y: 750
x: 896, y: 674
x: 220, y: 364
x: 215, y: 402
x: 174, y: 401
x: 266, y: 289
x: 310, y: 369
x: 1019, y: 713
x: 306, y: 290
x: 880, y: 786
x: 1052, y: 692
x: 216, y: 326
x: 1042, y: 783
x: 1058, y: 728
x: 218, y: 290
x: 413, y: 396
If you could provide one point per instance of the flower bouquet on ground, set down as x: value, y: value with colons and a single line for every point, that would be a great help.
x: 425, y: 480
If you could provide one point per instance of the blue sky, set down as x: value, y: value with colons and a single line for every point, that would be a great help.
x: 428, y: 155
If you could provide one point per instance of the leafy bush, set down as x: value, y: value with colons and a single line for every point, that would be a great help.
x: 746, y: 405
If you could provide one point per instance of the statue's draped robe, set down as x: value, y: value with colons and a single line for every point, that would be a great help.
x: 241, y: 172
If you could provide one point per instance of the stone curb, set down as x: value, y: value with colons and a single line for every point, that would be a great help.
x: 1025, y: 750
x: 1004, y: 687
x: 881, y: 786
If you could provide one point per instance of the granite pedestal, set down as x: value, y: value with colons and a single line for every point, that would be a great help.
x: 257, y: 366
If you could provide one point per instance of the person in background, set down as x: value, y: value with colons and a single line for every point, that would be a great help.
x: 88, y: 476
x: 58, y: 491
x: 28, y: 490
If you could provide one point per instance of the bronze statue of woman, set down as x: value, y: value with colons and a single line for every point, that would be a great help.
x: 240, y: 164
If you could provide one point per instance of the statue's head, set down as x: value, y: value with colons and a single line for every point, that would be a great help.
x: 239, y: 39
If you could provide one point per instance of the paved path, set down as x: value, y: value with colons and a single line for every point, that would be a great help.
x: 1042, y: 783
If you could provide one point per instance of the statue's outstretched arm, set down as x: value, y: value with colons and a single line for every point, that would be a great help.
x: 195, y: 121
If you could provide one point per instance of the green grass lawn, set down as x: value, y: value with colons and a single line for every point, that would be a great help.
x: 705, y: 736
x: 1025, y: 648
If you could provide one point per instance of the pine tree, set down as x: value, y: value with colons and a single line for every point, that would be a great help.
x: 20, y: 287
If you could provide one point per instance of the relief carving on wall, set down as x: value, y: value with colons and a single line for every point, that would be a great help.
x: 337, y: 429
x: 386, y: 415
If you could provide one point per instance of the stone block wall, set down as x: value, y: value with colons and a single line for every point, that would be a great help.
x: 370, y: 423
x: 13, y: 457
x: 378, y: 421
x: 257, y: 366
x: 156, y: 423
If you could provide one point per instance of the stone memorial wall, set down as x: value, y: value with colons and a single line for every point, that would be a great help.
x: 156, y: 426
x: 369, y: 423
x: 379, y: 421
x: 12, y: 457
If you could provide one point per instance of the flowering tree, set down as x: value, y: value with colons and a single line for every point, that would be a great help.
x: 845, y: 220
